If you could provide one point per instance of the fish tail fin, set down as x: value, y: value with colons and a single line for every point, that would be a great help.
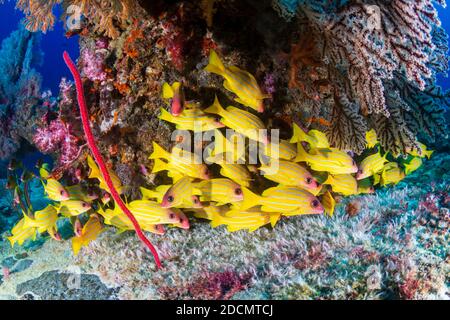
x: 165, y: 115
x: 250, y: 199
x: 95, y: 171
x: 158, y: 152
x: 274, y: 217
x: 216, y: 220
x: 428, y: 153
x: 298, y: 134
x: 376, y: 179
x: 12, y: 240
x: 77, y: 243
x: 302, y: 155
x: 159, y: 166
x: 167, y: 92
x: 328, y: 180
x: 215, y: 108
x: 215, y: 65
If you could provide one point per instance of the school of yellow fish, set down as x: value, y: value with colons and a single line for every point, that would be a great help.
x: 308, y: 174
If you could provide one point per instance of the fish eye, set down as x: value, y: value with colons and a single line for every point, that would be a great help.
x: 238, y: 191
x: 62, y: 192
x: 170, y: 198
x: 315, y: 203
x: 181, y: 220
x: 83, y: 205
x: 309, y: 180
x: 195, y: 200
x: 206, y: 171
x: 172, y: 216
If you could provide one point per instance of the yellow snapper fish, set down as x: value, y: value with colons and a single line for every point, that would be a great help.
x: 43, y: 220
x: 172, y: 171
x: 174, y: 92
x: 238, y: 81
x: 150, y: 212
x: 424, y: 151
x: 293, y: 175
x: 122, y: 223
x: 234, y: 150
x: 331, y: 160
x: 156, y: 194
x: 283, y: 199
x: 371, y: 138
x: 241, y: 121
x: 89, y: 233
x: 76, y: 192
x: 250, y: 220
x: 282, y: 150
x: 184, y: 161
x: 20, y: 234
x: 413, y: 165
x: 315, y: 138
x: 191, y: 119
x: 371, y: 165
x: 365, y: 186
x: 55, y: 190
x: 345, y: 184
x: 73, y: 207
x: 219, y: 190
x: 208, y: 212
x: 96, y: 174
x: 181, y: 195
x: 328, y: 203
x: 391, y: 174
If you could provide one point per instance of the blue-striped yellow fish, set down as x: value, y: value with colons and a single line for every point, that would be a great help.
x: 250, y: 220
x: 370, y: 165
x: 55, y: 190
x: 73, y: 207
x: 89, y: 233
x: 371, y: 138
x: 345, y: 184
x: 328, y: 203
x: 241, y: 121
x: 391, y: 174
x: 150, y: 212
x: 331, y: 160
x: 424, y: 152
x: 181, y: 195
x: 76, y: 192
x: 315, y: 138
x: 365, y: 186
x: 96, y: 174
x: 21, y: 234
x: 191, y: 119
x: 283, y: 199
x: 156, y: 194
x: 43, y: 220
x: 293, y: 175
x: 219, y: 190
x: 238, y: 81
x: 175, y: 93
x: 413, y: 165
x: 184, y: 161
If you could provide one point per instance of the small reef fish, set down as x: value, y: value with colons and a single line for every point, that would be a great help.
x: 371, y: 165
x: 238, y: 81
x: 150, y: 212
x: 156, y: 194
x: 55, y: 190
x: 96, y: 174
x: 219, y: 190
x: 345, y: 184
x: 283, y: 199
x: 286, y: 150
x: 391, y: 174
x: 76, y: 192
x: 174, y: 92
x: 424, y: 151
x: 241, y: 121
x: 181, y: 195
x: 73, y: 207
x: 365, y: 186
x: 315, y: 138
x: 43, y: 220
x: 20, y: 234
x: 250, y: 220
x: 293, y: 175
x: 191, y: 119
x: 331, y: 160
x: 236, y: 172
x: 371, y: 138
x: 413, y: 165
x: 184, y: 161
x: 208, y: 212
x: 328, y: 203
x: 91, y: 230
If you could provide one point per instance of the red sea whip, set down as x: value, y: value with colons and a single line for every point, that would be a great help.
x: 99, y: 159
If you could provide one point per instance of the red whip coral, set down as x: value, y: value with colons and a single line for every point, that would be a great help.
x: 99, y: 159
